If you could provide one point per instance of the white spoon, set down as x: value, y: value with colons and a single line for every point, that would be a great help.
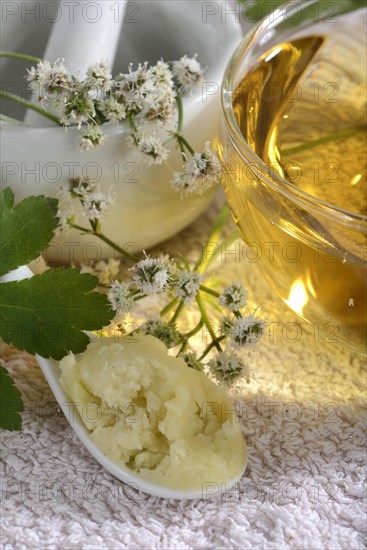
x: 52, y: 372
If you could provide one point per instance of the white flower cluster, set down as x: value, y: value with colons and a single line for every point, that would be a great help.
x: 153, y: 148
x: 151, y: 275
x: 148, y: 93
x: 94, y: 202
x: 228, y: 367
x: 157, y: 275
x: 145, y: 97
x: 234, y: 297
x: 188, y: 72
x: 91, y: 137
x: 121, y: 297
x: 247, y: 331
x: 65, y: 213
x: 187, y: 286
x: 50, y: 80
x: 199, y: 173
x: 99, y: 77
x: 165, y: 332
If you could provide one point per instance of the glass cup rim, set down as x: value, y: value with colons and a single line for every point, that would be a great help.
x: 279, y: 184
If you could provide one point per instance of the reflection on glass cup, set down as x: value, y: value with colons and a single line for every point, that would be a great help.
x: 294, y: 158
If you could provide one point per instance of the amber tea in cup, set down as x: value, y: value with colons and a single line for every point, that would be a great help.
x: 294, y: 156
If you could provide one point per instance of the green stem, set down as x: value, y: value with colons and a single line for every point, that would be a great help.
x: 207, y: 251
x: 182, y: 148
x: 186, y: 144
x: 177, y: 312
x: 321, y: 141
x: 80, y: 228
x: 182, y: 348
x: 180, y: 113
x: 20, y: 56
x: 188, y: 335
x: 206, y: 321
x: 211, y: 345
x: 9, y: 119
x: 209, y: 291
x: 194, y: 331
x: 170, y: 139
x: 29, y: 105
x: 168, y: 307
x: 181, y: 141
x: 115, y: 246
x: 106, y: 240
x: 132, y: 124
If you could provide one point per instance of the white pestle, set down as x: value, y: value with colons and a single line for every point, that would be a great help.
x: 146, y: 209
x: 83, y: 36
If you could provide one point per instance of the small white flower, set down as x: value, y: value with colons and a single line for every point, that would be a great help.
x: 78, y: 108
x: 151, y: 275
x: 165, y: 332
x: 65, y: 213
x: 205, y: 164
x: 137, y: 78
x: 187, y: 286
x: 105, y: 271
x: 120, y: 297
x: 95, y: 205
x: 134, y: 88
x: 81, y: 188
x: 94, y: 202
x: 36, y: 75
x: 188, y: 72
x: 113, y: 110
x: 49, y: 79
x: 228, y: 367
x: 66, y: 216
x: 148, y: 93
x: 159, y: 109
x: 184, y: 183
x: 162, y: 76
x: 160, y: 95
x: 199, y: 174
x: 247, y: 331
x: 99, y: 76
x: 234, y: 297
x: 91, y: 138
x: 153, y: 148
x: 192, y: 361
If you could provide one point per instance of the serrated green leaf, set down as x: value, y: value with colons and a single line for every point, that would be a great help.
x: 25, y: 229
x: 11, y: 403
x: 6, y: 200
x: 47, y: 313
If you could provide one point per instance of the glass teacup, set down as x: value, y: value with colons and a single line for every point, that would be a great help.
x: 294, y: 158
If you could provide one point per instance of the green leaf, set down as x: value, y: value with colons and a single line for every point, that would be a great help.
x: 25, y: 229
x: 11, y: 403
x: 6, y: 200
x: 47, y: 313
